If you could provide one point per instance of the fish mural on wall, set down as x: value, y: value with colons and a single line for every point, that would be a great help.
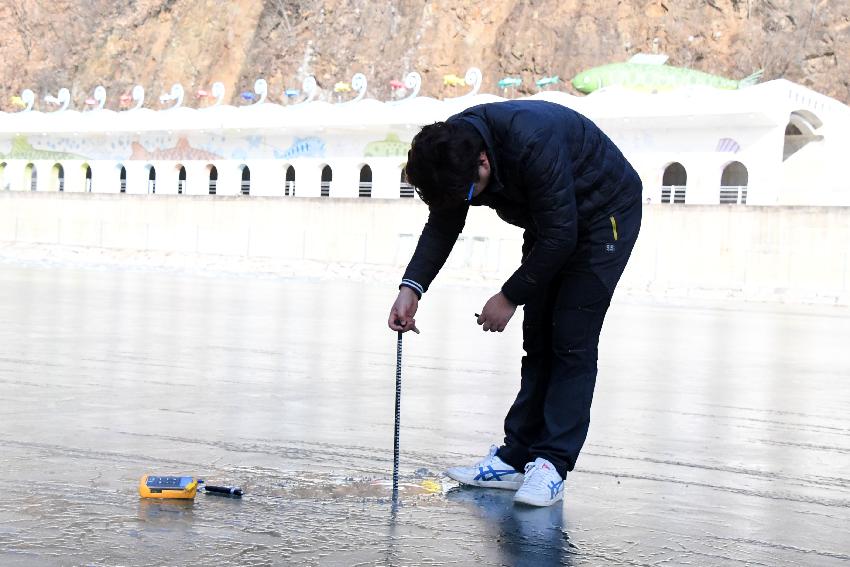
x: 728, y: 145
x: 302, y: 147
x: 181, y: 152
x: 22, y: 149
x: 645, y: 72
x: 391, y: 146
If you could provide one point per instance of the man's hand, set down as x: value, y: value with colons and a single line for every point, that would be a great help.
x: 403, y: 310
x: 496, y: 313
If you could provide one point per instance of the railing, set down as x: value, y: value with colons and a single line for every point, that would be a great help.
x: 246, y: 187
x: 676, y: 192
x: 213, y: 186
x: 151, y: 186
x: 406, y: 190
x: 123, y: 186
x: 365, y: 189
x: 289, y: 188
x: 733, y: 194
x: 88, y: 184
x: 62, y: 184
x: 181, y: 186
x: 326, y: 189
x: 33, y: 183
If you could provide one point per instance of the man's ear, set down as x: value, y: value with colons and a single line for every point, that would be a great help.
x: 482, y: 159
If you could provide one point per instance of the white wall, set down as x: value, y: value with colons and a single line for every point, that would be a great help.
x: 763, y: 253
x: 704, y: 170
x: 816, y: 174
x: 651, y: 151
x: 812, y: 176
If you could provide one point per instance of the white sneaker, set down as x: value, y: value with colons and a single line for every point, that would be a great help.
x: 543, y: 486
x: 490, y: 472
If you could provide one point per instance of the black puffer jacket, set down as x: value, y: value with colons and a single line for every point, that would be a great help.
x: 553, y: 172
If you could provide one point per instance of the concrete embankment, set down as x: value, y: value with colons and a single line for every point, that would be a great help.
x: 788, y: 254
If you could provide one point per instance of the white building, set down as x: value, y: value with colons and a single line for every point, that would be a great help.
x: 776, y: 143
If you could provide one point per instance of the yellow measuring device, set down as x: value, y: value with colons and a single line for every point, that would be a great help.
x: 183, y: 487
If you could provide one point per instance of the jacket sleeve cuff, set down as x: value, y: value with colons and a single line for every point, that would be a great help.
x: 512, y: 294
x: 417, y: 289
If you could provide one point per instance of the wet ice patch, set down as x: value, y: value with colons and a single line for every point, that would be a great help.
x: 258, y: 483
x: 329, y: 486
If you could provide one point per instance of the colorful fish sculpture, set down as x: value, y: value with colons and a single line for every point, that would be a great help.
x: 546, y: 81
x: 509, y: 82
x: 648, y: 73
x: 453, y: 80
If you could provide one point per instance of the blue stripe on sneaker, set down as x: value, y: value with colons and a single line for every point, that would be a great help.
x: 493, y: 473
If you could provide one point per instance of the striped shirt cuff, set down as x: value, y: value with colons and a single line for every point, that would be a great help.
x: 414, y: 286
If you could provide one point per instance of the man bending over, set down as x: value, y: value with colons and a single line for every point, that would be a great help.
x: 554, y: 173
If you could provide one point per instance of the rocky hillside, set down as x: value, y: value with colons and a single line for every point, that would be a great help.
x: 119, y: 43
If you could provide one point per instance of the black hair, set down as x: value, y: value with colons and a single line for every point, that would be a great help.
x: 443, y: 162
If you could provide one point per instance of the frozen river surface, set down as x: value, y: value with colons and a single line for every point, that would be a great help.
x: 720, y: 432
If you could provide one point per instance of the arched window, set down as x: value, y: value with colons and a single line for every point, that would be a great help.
x: 181, y: 181
x: 733, y: 184
x: 151, y: 180
x: 365, y: 188
x: 327, y: 177
x: 3, y: 184
x: 800, y: 131
x: 123, y: 179
x: 289, y: 187
x: 31, y: 177
x: 87, y: 178
x: 246, y: 180
x: 405, y: 189
x: 213, y: 181
x: 58, y: 180
x: 674, y: 183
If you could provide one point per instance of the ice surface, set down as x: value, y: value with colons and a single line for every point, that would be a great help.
x: 720, y: 433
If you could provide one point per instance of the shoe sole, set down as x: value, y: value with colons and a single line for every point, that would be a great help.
x: 502, y: 484
x: 519, y: 499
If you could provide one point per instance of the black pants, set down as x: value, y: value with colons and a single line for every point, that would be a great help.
x: 561, y: 327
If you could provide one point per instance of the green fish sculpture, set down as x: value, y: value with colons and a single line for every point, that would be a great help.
x: 648, y: 73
